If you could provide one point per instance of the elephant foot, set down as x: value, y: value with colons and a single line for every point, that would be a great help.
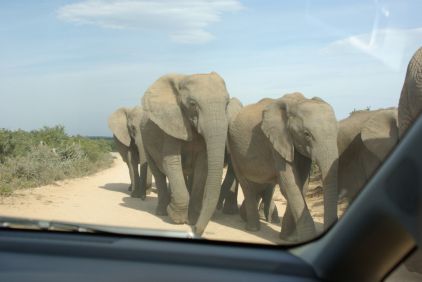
x: 178, y: 216
x: 253, y: 227
x: 129, y: 188
x: 138, y: 194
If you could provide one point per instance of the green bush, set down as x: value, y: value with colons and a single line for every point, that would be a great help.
x: 39, y: 157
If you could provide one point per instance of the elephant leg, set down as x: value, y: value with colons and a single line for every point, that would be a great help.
x: 270, y: 209
x: 148, y: 180
x: 303, y: 168
x: 198, y: 184
x: 161, y: 185
x: 133, y: 162
x: 242, y: 211
x: 250, y: 190
x: 229, y: 191
x: 291, y: 187
x: 274, y: 216
x: 130, y: 176
x: 172, y: 165
x: 227, y: 182
x: 230, y: 202
x: 143, y: 179
x: 189, y: 182
x: 288, y: 223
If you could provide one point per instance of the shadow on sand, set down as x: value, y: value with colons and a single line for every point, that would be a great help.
x: 117, y: 187
x: 268, y: 231
x: 148, y: 205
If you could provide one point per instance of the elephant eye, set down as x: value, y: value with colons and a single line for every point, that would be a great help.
x: 307, y: 135
x: 193, y: 106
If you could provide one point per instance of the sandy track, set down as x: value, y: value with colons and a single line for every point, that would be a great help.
x: 103, y: 199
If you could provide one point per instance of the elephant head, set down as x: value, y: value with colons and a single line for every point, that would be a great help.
x: 125, y: 125
x: 295, y: 124
x: 184, y: 105
x: 410, y: 104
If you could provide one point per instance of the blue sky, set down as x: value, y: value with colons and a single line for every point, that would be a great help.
x: 74, y: 62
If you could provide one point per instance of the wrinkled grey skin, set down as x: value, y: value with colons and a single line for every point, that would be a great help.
x: 185, y: 128
x: 410, y: 104
x: 274, y: 142
x: 364, y: 140
x: 125, y: 125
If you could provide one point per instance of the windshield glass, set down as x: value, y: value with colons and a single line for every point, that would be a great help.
x: 228, y: 120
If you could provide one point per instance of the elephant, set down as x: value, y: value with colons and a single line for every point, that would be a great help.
x: 365, y: 138
x: 185, y: 126
x: 273, y: 142
x: 410, y: 107
x: 125, y: 125
x: 410, y: 103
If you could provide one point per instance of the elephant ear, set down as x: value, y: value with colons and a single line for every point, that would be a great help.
x: 233, y: 108
x: 117, y: 122
x: 274, y: 126
x: 162, y: 105
x: 380, y: 133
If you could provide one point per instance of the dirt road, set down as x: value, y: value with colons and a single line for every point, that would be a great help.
x: 103, y: 199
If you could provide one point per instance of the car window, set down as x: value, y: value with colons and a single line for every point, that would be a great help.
x: 226, y: 120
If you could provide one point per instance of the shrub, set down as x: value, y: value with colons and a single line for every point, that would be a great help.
x: 39, y: 157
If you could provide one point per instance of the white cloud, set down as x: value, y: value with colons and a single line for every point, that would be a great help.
x: 184, y: 21
x: 393, y: 47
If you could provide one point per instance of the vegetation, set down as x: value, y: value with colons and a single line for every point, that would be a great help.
x: 40, y: 157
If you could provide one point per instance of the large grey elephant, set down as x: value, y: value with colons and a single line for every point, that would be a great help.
x: 364, y: 140
x: 274, y: 142
x: 125, y: 125
x: 410, y: 104
x: 410, y: 107
x: 185, y: 126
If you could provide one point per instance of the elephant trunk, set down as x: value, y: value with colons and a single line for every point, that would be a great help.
x: 328, y: 164
x: 215, y: 135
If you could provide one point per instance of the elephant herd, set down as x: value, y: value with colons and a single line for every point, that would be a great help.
x: 188, y: 129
